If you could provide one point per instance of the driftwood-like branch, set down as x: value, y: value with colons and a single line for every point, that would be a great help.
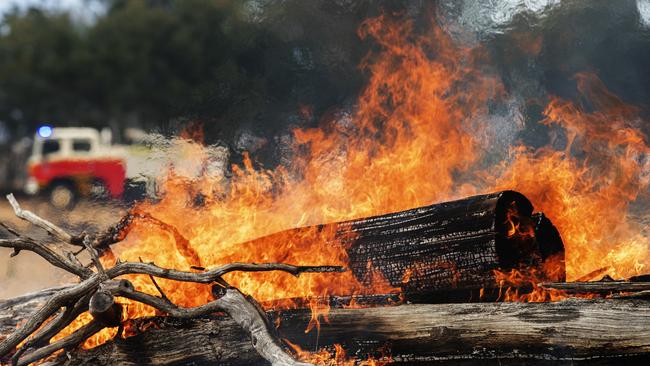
x: 248, y: 315
x: 97, y: 290
x: 215, y: 273
x: 57, y: 260
x: 54, y: 303
x: 91, y: 284
x: 31, y: 217
x: 53, y: 327
x: 569, y: 332
x: 245, y: 312
x: 72, y: 340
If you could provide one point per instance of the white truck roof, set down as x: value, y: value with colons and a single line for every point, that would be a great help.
x: 72, y: 132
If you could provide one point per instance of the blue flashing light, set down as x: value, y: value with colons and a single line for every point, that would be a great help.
x: 45, y: 131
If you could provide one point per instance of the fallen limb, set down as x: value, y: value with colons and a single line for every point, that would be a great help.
x: 46, y: 225
x: 215, y: 273
x: 572, y: 331
x: 43, y: 336
x: 97, y: 290
x: 248, y: 315
x: 51, y: 306
x: 57, y: 260
x: 73, y: 339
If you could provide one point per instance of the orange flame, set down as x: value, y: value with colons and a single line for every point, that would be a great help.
x: 588, y: 198
x: 515, y: 224
x: 523, y: 285
x: 318, y: 310
x: 416, y: 137
x: 336, y: 357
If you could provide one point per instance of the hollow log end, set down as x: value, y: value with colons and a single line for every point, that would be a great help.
x: 524, y: 237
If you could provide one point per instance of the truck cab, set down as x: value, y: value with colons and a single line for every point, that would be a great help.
x: 69, y: 163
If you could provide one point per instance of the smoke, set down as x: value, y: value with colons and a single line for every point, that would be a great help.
x: 644, y: 12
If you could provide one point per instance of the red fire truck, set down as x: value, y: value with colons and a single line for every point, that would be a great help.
x: 69, y: 163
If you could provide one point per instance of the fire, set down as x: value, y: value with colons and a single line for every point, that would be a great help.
x: 523, y: 284
x: 417, y: 136
x: 517, y: 228
x: 588, y: 198
x: 336, y: 357
x: 318, y: 310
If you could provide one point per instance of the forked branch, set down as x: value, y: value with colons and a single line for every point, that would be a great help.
x: 31, y: 217
x: 97, y: 290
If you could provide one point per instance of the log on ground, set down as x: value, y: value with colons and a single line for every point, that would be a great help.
x: 567, y: 332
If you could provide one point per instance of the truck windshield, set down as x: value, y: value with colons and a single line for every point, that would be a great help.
x: 50, y: 147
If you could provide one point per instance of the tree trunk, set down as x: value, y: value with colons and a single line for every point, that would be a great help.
x: 569, y: 331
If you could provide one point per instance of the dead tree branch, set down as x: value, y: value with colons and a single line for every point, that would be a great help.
x: 57, y: 260
x: 31, y: 217
x: 72, y: 340
x: 48, y: 309
x: 97, y: 290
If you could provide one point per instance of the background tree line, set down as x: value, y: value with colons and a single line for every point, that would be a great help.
x: 230, y: 64
x: 263, y: 66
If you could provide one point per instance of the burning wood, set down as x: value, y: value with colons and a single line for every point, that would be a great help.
x: 439, y: 253
x: 424, y: 333
x: 446, y: 249
x: 97, y: 290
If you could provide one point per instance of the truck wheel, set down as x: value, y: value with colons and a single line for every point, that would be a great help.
x: 63, y: 196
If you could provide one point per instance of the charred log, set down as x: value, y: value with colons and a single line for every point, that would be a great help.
x: 450, y: 248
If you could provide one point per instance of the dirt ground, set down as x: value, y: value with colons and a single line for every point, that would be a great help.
x: 28, y: 272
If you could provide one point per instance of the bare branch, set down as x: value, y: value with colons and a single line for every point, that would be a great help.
x: 31, y: 217
x: 168, y: 307
x: 47, y: 310
x: 89, y: 285
x: 9, y: 229
x: 96, y: 292
x: 25, y: 243
x: 72, y: 340
x: 94, y: 257
x: 54, y: 326
x: 593, y: 274
x: 155, y: 283
x: 244, y: 310
x: 600, y: 287
x: 215, y: 273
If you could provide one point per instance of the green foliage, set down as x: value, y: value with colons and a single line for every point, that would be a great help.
x: 143, y: 61
x: 231, y: 64
x: 38, y: 54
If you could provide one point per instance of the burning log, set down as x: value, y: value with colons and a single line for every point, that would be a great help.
x: 572, y: 330
x: 444, y: 250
